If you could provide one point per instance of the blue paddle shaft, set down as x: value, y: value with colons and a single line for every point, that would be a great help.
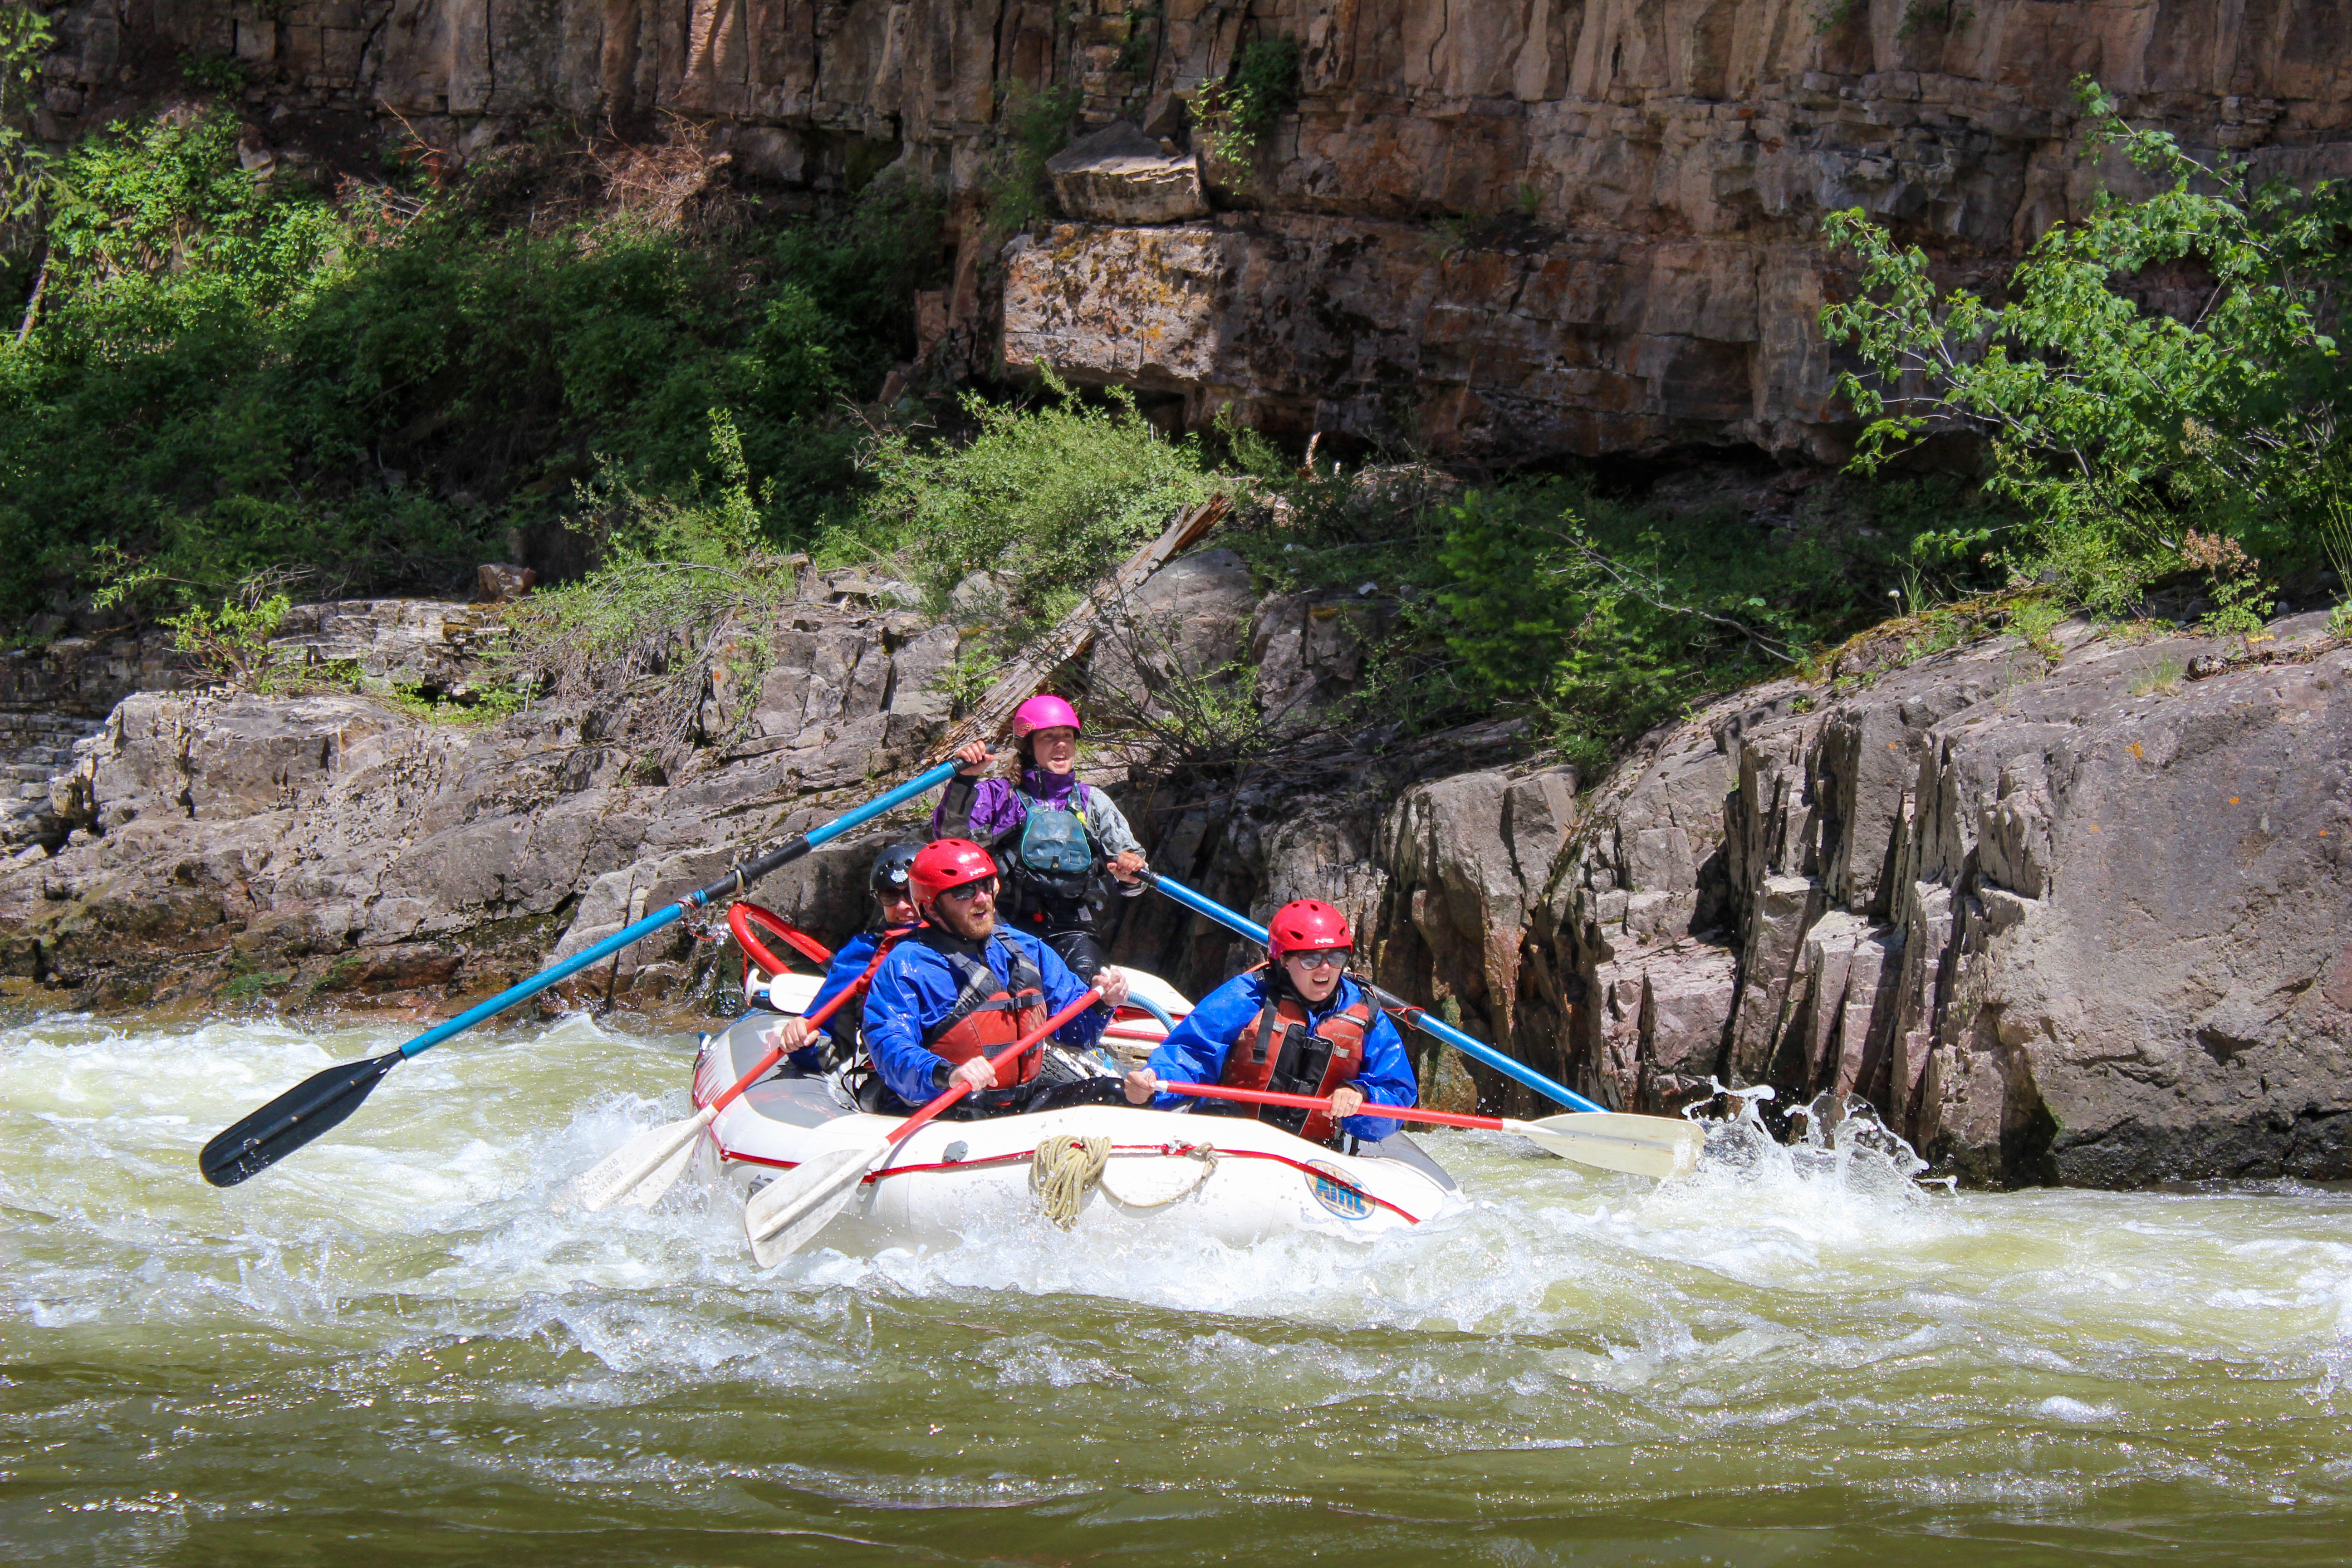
x: 1509, y: 1067
x: 792, y: 849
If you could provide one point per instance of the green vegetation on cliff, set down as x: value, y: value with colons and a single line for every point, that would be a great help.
x: 1597, y: 610
x: 2126, y: 434
x: 226, y: 373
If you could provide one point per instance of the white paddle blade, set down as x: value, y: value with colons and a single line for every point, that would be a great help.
x: 785, y: 1215
x: 662, y: 1177
x: 653, y: 1154
x: 1658, y: 1146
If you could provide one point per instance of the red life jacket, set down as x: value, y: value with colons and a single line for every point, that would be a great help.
x: 987, y: 1016
x: 1277, y: 1051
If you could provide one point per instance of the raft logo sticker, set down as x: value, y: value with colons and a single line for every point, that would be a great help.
x: 1332, y: 1190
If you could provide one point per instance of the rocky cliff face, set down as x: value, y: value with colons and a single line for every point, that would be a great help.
x: 2083, y: 922
x: 1504, y: 229
x: 338, y: 847
x: 2082, y: 919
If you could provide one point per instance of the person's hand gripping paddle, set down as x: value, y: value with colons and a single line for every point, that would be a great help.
x: 324, y: 1099
x: 641, y: 1170
x: 786, y: 1213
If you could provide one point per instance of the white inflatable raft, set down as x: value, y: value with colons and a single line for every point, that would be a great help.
x: 1235, y: 1179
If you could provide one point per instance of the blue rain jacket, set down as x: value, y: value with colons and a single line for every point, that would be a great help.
x: 1194, y: 1051
x: 915, y: 988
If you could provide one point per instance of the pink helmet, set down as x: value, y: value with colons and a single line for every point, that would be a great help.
x: 1044, y: 712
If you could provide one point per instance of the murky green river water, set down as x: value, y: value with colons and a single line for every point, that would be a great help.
x: 390, y: 1348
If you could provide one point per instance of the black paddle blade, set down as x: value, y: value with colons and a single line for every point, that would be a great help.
x: 311, y: 1106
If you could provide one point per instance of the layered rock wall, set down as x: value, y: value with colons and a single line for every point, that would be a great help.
x: 326, y: 847
x: 2082, y: 919
x: 1501, y: 229
x: 2086, y: 923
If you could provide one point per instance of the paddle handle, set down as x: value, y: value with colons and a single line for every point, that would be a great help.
x: 776, y: 1053
x: 734, y: 881
x: 999, y: 1061
x: 1309, y: 1102
x: 1509, y: 1067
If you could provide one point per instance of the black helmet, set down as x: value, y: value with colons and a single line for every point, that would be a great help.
x: 890, y: 868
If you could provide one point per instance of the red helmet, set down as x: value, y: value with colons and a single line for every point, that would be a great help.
x: 1306, y: 925
x: 947, y: 863
x: 1045, y: 712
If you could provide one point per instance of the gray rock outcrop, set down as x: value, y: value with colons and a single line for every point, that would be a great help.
x: 2083, y: 922
x: 1499, y: 230
x: 334, y: 847
x: 1118, y: 175
x: 2080, y: 920
x: 2086, y: 923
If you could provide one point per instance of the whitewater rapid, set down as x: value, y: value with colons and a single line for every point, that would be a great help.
x: 399, y: 1337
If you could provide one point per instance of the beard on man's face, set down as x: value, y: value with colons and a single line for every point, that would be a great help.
x: 967, y: 919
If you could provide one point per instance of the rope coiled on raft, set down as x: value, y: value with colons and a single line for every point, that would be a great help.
x: 1062, y: 1170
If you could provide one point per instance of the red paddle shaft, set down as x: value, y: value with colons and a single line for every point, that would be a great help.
x: 1309, y: 1102
x: 999, y: 1061
x: 776, y: 1053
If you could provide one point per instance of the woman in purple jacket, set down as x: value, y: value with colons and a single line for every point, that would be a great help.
x: 1050, y: 833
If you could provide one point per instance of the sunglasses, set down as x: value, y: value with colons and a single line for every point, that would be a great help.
x: 963, y: 895
x: 1332, y: 958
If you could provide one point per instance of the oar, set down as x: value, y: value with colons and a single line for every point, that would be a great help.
x: 1509, y: 1067
x: 784, y: 1216
x: 650, y: 1163
x: 322, y: 1101
x: 1638, y: 1145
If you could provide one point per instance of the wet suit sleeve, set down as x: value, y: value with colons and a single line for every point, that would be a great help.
x: 910, y: 986
x: 1386, y: 1079
x: 1107, y: 824
x: 982, y: 810
x: 848, y: 963
x: 1194, y: 1050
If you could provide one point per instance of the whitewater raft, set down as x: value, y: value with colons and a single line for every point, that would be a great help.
x: 1227, y: 1178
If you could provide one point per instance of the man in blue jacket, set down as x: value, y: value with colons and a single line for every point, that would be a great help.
x: 801, y: 1039
x: 961, y: 989
x: 1298, y: 1027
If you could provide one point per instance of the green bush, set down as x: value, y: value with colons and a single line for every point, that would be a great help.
x: 1036, y: 124
x: 1597, y: 615
x: 1235, y: 115
x: 680, y: 600
x: 1609, y: 618
x: 230, y: 373
x: 2113, y: 427
x: 1049, y: 497
x: 230, y: 641
x: 25, y: 37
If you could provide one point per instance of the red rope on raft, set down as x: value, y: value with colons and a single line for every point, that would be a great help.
x: 1300, y: 1166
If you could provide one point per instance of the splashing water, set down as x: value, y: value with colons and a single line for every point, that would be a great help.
x: 394, y: 1347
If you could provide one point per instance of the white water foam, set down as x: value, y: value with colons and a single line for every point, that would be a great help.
x: 431, y: 1215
